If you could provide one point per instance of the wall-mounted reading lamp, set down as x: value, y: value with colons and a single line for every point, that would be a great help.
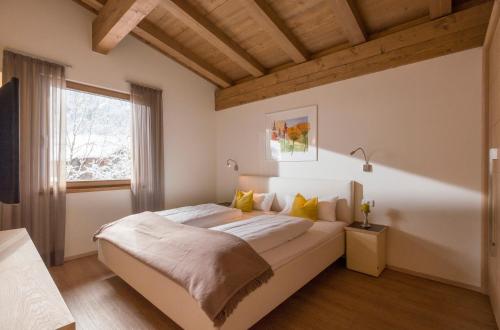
x: 367, y: 167
x: 232, y: 163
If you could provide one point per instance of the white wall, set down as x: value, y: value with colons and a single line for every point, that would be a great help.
x: 61, y: 30
x: 86, y: 212
x: 421, y: 126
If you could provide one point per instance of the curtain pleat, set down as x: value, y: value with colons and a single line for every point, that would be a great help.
x: 147, y: 149
x: 42, y: 208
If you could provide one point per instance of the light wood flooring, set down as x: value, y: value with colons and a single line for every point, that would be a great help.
x: 335, y: 299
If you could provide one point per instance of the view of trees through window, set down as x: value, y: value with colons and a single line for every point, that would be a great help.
x: 98, y: 137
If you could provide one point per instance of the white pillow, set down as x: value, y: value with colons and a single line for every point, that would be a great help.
x: 326, y: 207
x: 288, y: 205
x: 263, y: 201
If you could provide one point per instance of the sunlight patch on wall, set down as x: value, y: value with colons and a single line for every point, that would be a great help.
x: 435, y: 222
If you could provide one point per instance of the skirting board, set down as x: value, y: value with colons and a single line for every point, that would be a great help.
x: 81, y: 255
x: 438, y: 279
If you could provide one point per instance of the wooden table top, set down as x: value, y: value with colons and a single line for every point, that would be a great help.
x: 375, y: 229
x: 29, y: 298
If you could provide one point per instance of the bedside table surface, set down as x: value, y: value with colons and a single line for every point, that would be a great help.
x: 374, y: 228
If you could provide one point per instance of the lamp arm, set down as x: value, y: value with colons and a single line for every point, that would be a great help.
x: 364, y: 155
x: 363, y: 151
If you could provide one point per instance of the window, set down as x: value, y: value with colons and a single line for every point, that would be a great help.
x: 98, y: 139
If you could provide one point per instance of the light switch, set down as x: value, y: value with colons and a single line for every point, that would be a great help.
x: 493, y: 153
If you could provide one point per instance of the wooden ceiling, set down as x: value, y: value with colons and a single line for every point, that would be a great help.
x: 255, y: 49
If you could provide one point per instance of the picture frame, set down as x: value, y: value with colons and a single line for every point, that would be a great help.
x: 291, y: 135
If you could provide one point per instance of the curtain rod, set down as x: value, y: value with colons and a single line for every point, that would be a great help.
x: 37, y: 57
x: 143, y: 85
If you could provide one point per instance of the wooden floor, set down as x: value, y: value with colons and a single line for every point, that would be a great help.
x: 336, y: 299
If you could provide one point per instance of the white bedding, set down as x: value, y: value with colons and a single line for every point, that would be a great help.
x: 319, y: 233
x: 277, y: 248
x: 203, y: 215
x: 255, y: 213
x: 266, y: 232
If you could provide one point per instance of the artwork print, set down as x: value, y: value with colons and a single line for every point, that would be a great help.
x: 291, y: 135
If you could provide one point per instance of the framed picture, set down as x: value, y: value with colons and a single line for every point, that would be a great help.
x: 291, y: 135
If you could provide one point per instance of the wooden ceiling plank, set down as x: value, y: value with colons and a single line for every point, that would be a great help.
x: 269, y: 20
x: 350, y: 20
x: 150, y: 34
x: 459, y: 31
x: 439, y: 8
x: 400, y: 38
x: 187, y: 14
x: 158, y: 39
x: 116, y: 19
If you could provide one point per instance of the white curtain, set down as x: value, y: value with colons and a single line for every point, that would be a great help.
x: 147, y: 149
x: 42, y: 208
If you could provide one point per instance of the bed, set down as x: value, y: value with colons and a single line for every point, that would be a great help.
x: 294, y: 263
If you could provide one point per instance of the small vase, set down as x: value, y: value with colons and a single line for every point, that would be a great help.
x: 365, y: 223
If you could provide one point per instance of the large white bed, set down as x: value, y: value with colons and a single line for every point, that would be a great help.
x: 294, y: 263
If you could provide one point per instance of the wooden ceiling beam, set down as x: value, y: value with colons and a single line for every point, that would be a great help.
x: 153, y: 36
x: 269, y: 20
x: 462, y: 30
x: 184, y: 12
x: 116, y: 19
x: 439, y: 8
x: 350, y: 20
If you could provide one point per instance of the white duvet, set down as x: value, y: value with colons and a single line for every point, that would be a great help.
x: 203, y: 215
x: 266, y: 232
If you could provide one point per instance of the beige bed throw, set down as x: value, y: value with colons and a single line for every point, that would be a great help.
x: 216, y: 268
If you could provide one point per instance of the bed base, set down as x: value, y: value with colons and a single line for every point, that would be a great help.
x: 179, y: 306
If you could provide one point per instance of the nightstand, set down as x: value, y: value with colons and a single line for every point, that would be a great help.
x: 365, y: 248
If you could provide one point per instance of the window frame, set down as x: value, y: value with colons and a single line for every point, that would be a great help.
x: 97, y: 185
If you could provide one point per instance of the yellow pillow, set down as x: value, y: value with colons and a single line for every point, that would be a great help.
x: 244, y: 201
x: 304, y: 208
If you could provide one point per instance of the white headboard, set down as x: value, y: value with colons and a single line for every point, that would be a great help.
x: 344, y: 189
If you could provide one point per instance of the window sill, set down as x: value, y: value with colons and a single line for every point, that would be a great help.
x: 89, y: 186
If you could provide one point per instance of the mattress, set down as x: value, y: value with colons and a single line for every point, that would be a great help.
x: 319, y: 233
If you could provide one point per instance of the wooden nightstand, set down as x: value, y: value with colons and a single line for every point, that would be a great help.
x: 366, y: 248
